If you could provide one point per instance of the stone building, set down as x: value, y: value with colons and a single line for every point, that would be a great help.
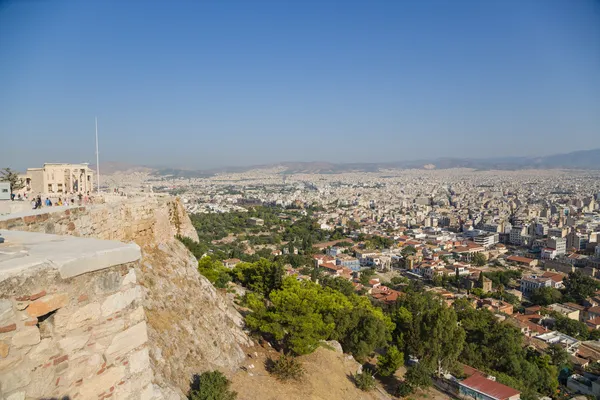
x: 59, y: 178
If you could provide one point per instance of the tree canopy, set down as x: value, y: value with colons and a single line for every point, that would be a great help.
x: 545, y: 296
x: 302, y: 313
x: 579, y: 287
x: 429, y: 330
x: 8, y: 175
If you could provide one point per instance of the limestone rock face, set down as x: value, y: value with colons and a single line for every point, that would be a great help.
x: 192, y: 327
x: 143, y: 329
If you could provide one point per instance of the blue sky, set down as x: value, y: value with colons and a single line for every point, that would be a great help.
x: 200, y: 84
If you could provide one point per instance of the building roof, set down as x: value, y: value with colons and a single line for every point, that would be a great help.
x: 555, y: 276
x: 489, y: 387
x: 520, y: 259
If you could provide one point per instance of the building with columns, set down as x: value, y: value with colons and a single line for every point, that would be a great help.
x: 59, y: 178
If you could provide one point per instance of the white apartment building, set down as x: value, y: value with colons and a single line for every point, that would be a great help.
x: 557, y: 243
x: 532, y: 282
x: 487, y: 240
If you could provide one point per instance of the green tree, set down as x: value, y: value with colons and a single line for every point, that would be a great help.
x: 408, y: 251
x: 559, y: 356
x: 211, y: 385
x: 362, y: 328
x: 286, y: 368
x: 579, y: 287
x: 365, y: 380
x: 432, y: 333
x: 338, y: 283
x: 214, y: 271
x: 571, y: 327
x: 263, y: 276
x: 8, y: 175
x: 418, y: 376
x: 366, y: 275
x: 388, y: 363
x: 479, y: 259
x: 497, y: 347
x: 545, y: 296
x: 300, y: 315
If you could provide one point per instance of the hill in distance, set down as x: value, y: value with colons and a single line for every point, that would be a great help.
x: 583, y: 159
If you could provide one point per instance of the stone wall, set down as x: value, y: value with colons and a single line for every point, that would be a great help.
x: 84, y: 337
x: 191, y: 327
x: 146, y: 220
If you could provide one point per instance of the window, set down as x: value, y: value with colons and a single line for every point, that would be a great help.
x: 49, y: 188
x: 4, y: 190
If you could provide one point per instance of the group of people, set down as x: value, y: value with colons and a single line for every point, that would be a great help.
x: 36, y: 202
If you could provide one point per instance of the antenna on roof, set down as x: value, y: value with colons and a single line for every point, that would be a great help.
x: 97, y: 159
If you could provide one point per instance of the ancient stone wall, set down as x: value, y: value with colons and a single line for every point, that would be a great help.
x: 190, y: 326
x: 83, y: 337
x: 145, y: 220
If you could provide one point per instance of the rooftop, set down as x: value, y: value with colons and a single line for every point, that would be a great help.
x: 70, y: 255
x: 489, y: 387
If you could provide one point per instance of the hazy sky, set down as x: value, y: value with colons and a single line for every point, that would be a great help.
x: 215, y: 83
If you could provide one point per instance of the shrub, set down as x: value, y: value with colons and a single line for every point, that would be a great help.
x: 388, y: 363
x: 212, y: 385
x: 287, y: 368
x: 365, y: 381
x: 403, y: 390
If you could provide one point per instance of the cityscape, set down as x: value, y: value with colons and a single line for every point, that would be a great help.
x: 233, y: 200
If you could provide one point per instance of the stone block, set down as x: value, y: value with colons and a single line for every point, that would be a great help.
x: 129, y: 278
x: 38, y: 295
x: 10, y: 362
x: 47, y: 304
x: 43, y: 351
x: 137, y: 315
x: 8, y: 328
x: 14, y: 379
x: 28, y: 336
x: 4, y: 349
x: 72, y: 343
x: 139, y: 361
x: 100, y: 383
x: 6, y: 310
x: 108, y: 328
x: 43, y: 383
x: 108, y: 283
x: 120, y: 300
x: 16, y: 396
x: 84, y: 316
x: 126, y: 341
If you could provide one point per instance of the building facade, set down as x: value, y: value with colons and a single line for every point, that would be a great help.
x: 59, y: 178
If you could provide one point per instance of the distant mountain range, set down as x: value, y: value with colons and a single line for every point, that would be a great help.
x: 583, y: 159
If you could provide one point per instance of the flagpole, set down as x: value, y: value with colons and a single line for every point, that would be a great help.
x: 97, y: 159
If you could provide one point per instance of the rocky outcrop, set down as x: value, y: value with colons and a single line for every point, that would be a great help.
x: 144, y: 221
x: 187, y: 326
x: 192, y: 327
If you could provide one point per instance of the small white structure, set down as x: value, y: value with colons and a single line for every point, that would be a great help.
x: 4, y: 190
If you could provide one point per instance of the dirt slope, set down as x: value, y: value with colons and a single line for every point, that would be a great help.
x: 328, y: 377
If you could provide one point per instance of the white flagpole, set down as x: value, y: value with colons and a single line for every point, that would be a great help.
x: 97, y: 159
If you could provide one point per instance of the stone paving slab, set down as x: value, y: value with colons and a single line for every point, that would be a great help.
x: 71, y: 255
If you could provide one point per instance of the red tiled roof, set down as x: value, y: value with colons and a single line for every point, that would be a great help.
x: 520, y: 259
x: 490, y: 388
x: 556, y: 277
x: 594, y: 310
x: 331, y: 266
